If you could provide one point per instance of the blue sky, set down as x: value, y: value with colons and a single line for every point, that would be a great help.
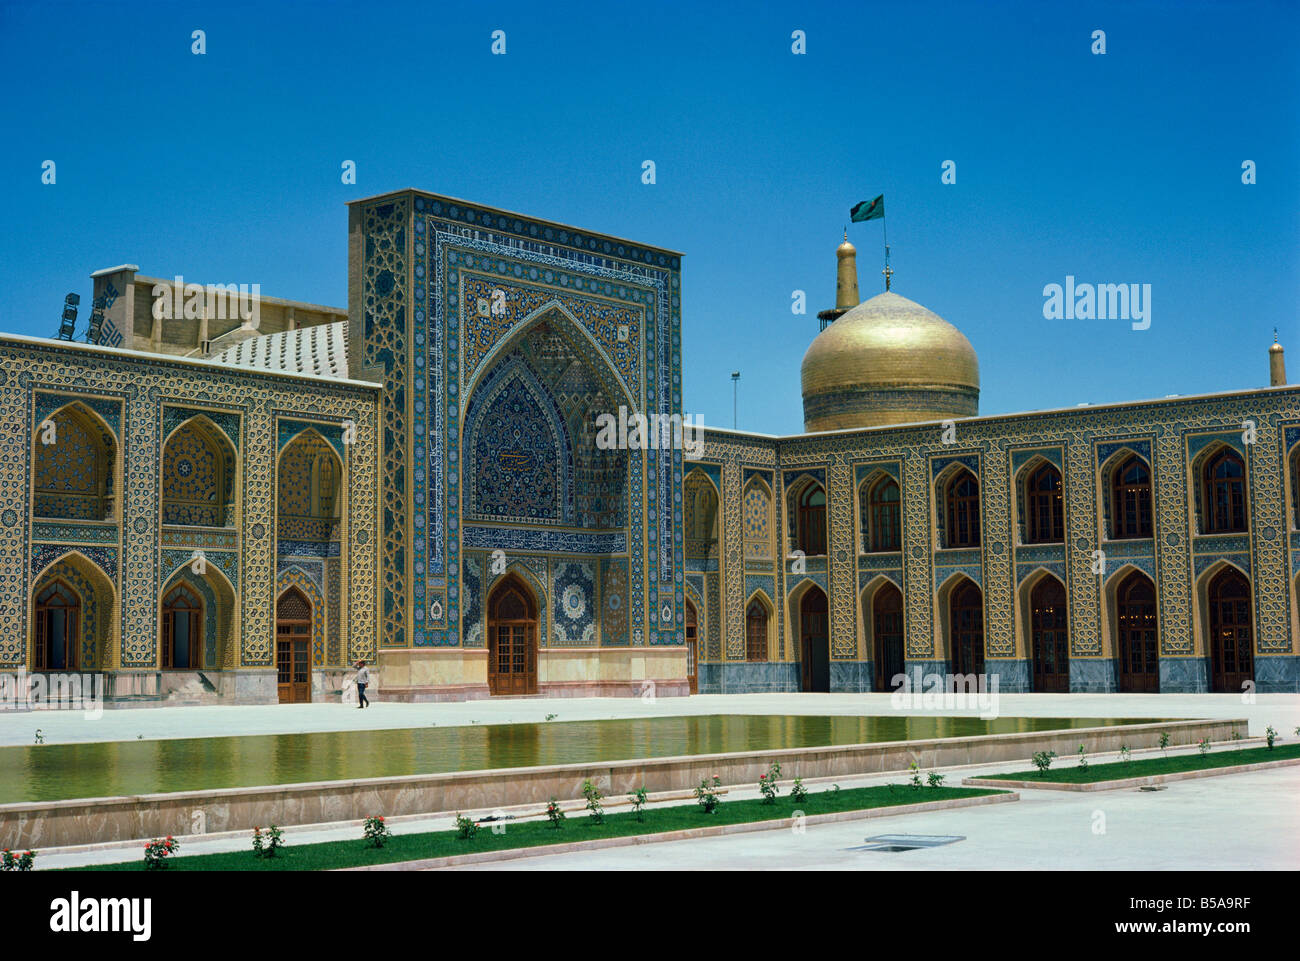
x: 1122, y: 168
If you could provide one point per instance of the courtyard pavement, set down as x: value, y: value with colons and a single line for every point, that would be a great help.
x: 1235, y: 822
x: 19, y: 727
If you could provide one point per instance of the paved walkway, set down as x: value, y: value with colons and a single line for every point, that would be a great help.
x: 1235, y: 822
x: 1280, y: 710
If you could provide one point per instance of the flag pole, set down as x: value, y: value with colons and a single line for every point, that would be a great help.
x: 887, y: 271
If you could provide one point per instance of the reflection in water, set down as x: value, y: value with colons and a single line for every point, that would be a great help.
x: 111, y: 769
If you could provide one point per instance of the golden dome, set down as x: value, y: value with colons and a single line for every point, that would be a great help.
x: 888, y: 361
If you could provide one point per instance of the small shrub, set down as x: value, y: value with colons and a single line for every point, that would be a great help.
x: 16, y: 862
x: 707, y: 794
x: 1236, y: 735
x: 554, y: 814
x: 638, y: 800
x: 916, y: 774
x: 835, y: 789
x: 550, y: 717
x: 265, y: 845
x: 593, y: 796
x: 1083, y: 757
x: 767, y: 784
x: 1270, y: 736
x: 935, y: 778
x: 798, y: 793
x: 376, y: 831
x: 157, y: 851
x: 466, y: 828
x: 1164, y: 741
x: 1043, y: 760
x: 1204, y: 746
x: 1125, y: 754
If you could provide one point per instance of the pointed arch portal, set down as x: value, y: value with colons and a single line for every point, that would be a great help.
x: 293, y: 619
x: 512, y: 638
x: 814, y: 640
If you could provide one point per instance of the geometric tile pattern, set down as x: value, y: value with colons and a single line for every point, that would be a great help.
x: 1085, y: 444
x: 136, y: 396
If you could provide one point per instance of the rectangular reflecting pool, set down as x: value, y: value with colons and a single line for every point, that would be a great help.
x: 50, y: 772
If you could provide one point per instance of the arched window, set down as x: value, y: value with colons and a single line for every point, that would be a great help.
x: 1231, y: 632
x: 883, y: 518
x: 963, y: 497
x: 57, y: 611
x: 1225, y: 493
x: 700, y: 516
x: 73, y: 463
x: 1130, y: 503
x: 1045, y: 523
x: 966, y: 626
x: 1049, y: 633
x: 811, y: 530
x: 197, y: 476
x: 1137, y: 647
x: 756, y: 631
x: 309, y: 478
x: 887, y: 635
x: 182, y: 636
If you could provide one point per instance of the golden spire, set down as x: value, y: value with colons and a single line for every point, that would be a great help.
x: 1276, y: 363
x: 846, y: 275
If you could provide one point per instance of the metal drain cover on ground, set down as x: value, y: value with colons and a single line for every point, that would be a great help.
x: 907, y: 842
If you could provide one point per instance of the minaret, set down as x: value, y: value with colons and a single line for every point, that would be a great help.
x: 846, y: 282
x: 846, y: 275
x: 1276, y: 364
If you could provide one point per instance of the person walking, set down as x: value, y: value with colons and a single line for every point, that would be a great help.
x: 363, y: 679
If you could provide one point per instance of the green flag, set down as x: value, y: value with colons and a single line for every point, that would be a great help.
x: 868, y: 210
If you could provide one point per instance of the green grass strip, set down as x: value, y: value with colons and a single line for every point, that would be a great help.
x: 527, y: 834
x: 1119, y: 770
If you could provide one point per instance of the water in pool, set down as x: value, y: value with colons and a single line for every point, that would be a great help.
x: 109, y: 769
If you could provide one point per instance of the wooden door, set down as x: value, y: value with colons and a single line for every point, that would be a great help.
x: 1137, y: 643
x: 887, y: 635
x: 293, y: 617
x: 182, y: 636
x: 512, y: 639
x: 814, y: 624
x: 692, y: 667
x: 967, y: 629
x: 1049, y: 630
x: 58, y: 610
x: 1231, y: 633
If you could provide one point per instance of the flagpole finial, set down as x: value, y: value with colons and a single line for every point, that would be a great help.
x: 888, y: 271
